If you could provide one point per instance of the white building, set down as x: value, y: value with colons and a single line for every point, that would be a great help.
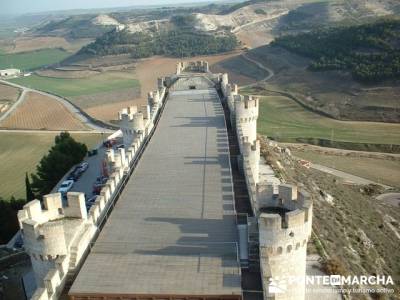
x: 8, y: 73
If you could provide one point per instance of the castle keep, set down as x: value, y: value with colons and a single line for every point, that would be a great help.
x: 164, y: 225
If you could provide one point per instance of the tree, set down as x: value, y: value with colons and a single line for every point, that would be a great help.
x: 62, y: 156
x: 8, y: 216
x: 28, y: 188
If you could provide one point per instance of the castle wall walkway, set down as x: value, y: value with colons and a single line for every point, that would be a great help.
x: 173, y: 230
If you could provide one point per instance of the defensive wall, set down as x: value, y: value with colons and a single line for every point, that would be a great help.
x: 57, y: 236
x: 284, y: 218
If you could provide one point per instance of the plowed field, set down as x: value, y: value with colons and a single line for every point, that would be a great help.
x: 42, y: 112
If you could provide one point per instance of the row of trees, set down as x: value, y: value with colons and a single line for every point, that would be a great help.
x: 65, y: 153
x: 175, y: 43
x: 370, y: 52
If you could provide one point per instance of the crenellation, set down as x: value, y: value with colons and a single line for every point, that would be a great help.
x: 285, y: 218
x: 94, y: 212
x: 53, y: 205
x: 57, y: 236
x: 102, y: 203
x: 110, y: 184
x: 287, y: 192
x: 76, y: 207
x: 105, y: 193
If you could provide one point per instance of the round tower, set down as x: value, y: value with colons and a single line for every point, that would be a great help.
x: 246, y: 112
x: 284, y: 229
x: 130, y: 125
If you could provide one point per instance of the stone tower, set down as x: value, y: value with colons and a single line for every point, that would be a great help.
x: 246, y: 115
x: 55, y: 238
x: 285, y: 226
x: 284, y: 218
x: 131, y: 122
x: 246, y: 111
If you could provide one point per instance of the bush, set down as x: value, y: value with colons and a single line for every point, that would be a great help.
x: 333, y: 266
x: 8, y: 216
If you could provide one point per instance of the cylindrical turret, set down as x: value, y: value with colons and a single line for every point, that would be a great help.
x: 246, y: 112
x: 285, y: 227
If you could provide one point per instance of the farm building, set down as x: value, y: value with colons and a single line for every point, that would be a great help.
x: 10, y: 73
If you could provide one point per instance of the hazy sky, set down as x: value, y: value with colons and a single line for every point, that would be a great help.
x: 27, y: 6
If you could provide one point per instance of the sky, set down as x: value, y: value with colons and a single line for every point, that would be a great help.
x: 34, y: 6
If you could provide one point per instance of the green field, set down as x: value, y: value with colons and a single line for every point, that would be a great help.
x: 67, y: 87
x: 20, y: 153
x: 33, y: 59
x: 380, y: 170
x: 283, y: 119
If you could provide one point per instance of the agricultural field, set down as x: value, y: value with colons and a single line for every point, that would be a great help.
x: 103, y: 94
x: 73, y: 88
x: 241, y: 72
x: 32, y: 43
x: 33, y: 59
x: 8, y: 95
x: 21, y: 152
x: 285, y: 120
x: 380, y: 169
x: 42, y: 112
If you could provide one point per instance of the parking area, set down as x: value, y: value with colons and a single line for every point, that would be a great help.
x: 85, y: 181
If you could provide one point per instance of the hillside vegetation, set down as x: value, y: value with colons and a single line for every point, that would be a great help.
x: 371, y: 52
x: 175, y: 43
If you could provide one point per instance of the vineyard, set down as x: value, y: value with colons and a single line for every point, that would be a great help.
x: 42, y: 112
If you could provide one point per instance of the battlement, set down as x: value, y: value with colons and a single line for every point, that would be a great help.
x: 285, y: 224
x: 246, y: 106
x: 192, y: 66
x: 53, y: 209
x: 295, y: 202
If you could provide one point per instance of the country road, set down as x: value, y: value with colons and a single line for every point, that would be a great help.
x: 346, y: 176
x: 73, y: 109
x: 261, y: 66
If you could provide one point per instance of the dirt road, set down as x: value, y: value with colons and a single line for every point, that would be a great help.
x: 261, y: 66
x: 346, y: 176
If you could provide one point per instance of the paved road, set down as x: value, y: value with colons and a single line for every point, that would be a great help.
x: 74, y: 110
x: 346, y: 176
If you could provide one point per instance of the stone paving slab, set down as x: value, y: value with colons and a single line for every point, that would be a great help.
x: 173, y: 230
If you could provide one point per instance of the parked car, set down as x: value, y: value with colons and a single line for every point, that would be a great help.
x: 100, y: 182
x: 109, y: 143
x: 92, y: 199
x: 92, y: 152
x: 75, y: 174
x: 65, y: 186
x: 83, y: 166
